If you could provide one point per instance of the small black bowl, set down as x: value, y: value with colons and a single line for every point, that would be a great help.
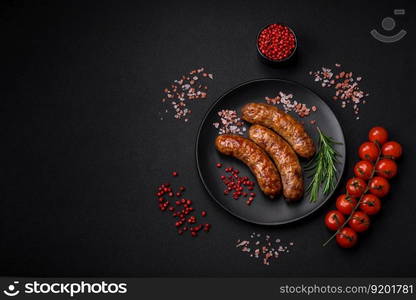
x: 268, y: 60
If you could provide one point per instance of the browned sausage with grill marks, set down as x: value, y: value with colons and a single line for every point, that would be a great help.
x: 283, y: 124
x: 255, y: 158
x: 284, y: 157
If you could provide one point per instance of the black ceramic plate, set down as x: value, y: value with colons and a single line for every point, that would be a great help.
x: 263, y: 210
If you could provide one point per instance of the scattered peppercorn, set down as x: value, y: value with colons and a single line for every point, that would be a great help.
x: 236, y: 184
x: 181, y: 209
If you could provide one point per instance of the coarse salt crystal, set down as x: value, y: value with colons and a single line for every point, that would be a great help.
x: 230, y: 121
x: 289, y: 104
x: 346, y: 87
x: 182, y: 90
x: 265, y: 250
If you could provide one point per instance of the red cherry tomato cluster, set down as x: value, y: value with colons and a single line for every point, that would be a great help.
x: 363, y: 192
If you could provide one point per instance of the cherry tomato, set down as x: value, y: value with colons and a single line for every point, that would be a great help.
x: 378, y: 134
x: 345, y: 204
x: 347, y: 238
x: 363, y: 169
x: 356, y: 186
x: 392, y: 149
x: 359, y: 221
x: 379, y: 186
x: 334, y: 219
x: 386, y: 168
x: 368, y: 151
x: 370, y: 204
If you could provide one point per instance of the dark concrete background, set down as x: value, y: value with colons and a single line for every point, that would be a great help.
x: 83, y: 147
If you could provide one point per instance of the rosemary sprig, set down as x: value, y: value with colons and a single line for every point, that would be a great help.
x: 323, y: 166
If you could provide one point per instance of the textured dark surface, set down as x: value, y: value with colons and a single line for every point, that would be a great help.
x: 83, y: 146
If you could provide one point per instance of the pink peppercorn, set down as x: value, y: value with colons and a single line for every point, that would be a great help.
x: 276, y: 42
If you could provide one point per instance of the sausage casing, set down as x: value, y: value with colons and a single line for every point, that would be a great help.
x: 284, y: 157
x: 282, y: 123
x: 255, y: 158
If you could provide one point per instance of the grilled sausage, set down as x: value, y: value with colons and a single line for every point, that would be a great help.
x: 255, y: 158
x: 284, y: 157
x: 285, y: 125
